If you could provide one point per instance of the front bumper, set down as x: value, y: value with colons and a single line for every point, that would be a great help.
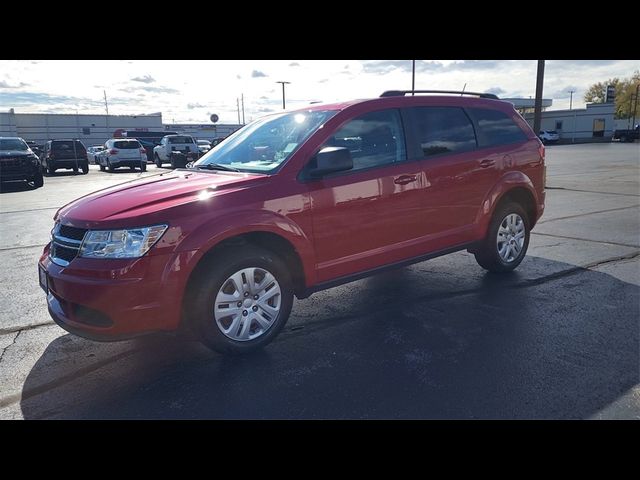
x: 110, y: 300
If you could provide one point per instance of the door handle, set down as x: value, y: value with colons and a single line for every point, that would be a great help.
x: 404, y: 179
x: 487, y: 163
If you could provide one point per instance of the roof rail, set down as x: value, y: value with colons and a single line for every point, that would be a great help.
x: 402, y: 93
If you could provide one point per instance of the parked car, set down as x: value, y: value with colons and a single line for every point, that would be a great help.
x: 549, y: 136
x: 204, y: 146
x: 123, y: 152
x: 92, y: 153
x: 64, y: 153
x: 184, y: 146
x: 35, y: 148
x: 18, y: 163
x: 293, y: 203
x: 216, y: 141
x: 627, y: 136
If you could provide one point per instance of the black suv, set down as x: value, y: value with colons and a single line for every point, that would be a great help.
x: 64, y: 154
x: 18, y: 162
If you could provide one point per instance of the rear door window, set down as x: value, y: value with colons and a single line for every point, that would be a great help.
x: 496, y: 127
x: 442, y: 130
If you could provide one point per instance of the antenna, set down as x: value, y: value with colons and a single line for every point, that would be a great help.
x: 463, y: 88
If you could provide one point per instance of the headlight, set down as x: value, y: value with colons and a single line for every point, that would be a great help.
x: 130, y: 243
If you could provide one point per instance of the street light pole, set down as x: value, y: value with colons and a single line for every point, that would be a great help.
x: 413, y: 77
x: 537, y: 115
x: 571, y: 100
x: 635, y: 107
x: 283, y: 102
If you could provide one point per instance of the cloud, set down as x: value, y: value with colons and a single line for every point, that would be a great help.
x: 258, y: 74
x: 495, y: 90
x: 265, y: 110
x: 144, y: 79
x: 239, y: 77
x: 149, y: 89
x: 191, y: 106
x: 5, y: 84
x: 294, y: 64
x: 324, y: 80
x: 387, y: 66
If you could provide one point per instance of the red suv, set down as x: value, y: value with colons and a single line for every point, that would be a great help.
x: 294, y: 203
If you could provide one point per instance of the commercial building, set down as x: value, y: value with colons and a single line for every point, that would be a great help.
x: 97, y: 129
x: 594, y: 122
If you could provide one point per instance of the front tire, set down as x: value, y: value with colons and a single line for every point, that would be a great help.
x: 110, y: 167
x: 38, y: 180
x: 239, y: 299
x: 507, y: 239
x: 85, y: 169
x: 143, y: 167
x: 158, y: 161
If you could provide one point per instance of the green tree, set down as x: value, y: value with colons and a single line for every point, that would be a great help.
x: 625, y: 94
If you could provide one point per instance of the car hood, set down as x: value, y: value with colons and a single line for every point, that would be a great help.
x: 15, y: 153
x: 126, y: 204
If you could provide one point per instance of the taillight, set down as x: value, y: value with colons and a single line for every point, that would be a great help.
x: 113, y: 151
x: 541, y: 152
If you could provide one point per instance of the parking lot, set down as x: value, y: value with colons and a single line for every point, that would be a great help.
x: 558, y: 338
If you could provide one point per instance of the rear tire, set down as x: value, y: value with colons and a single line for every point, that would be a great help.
x: 102, y: 169
x: 489, y: 253
x: 212, y: 279
x: 143, y: 167
x: 158, y: 161
x: 110, y: 167
x: 51, y: 170
x: 85, y: 169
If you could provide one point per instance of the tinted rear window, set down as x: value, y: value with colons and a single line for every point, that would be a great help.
x: 66, y: 145
x: 126, y: 144
x: 496, y: 127
x: 180, y: 140
x: 442, y: 130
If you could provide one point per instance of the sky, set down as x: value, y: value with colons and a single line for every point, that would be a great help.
x: 189, y: 91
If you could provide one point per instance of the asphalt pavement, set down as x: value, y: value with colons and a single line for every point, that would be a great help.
x: 556, y: 339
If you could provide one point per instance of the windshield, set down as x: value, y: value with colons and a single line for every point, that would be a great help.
x: 13, y: 144
x: 180, y: 140
x: 126, y: 144
x: 267, y: 143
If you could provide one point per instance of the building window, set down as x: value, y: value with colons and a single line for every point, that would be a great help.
x: 598, y: 127
x: 86, y: 131
x: 559, y: 125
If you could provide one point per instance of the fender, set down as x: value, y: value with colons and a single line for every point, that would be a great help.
x: 208, y: 235
x: 507, y: 182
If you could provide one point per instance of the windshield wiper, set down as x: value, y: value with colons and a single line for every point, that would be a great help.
x: 217, y: 166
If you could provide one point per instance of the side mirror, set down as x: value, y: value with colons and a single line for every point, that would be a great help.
x: 330, y: 160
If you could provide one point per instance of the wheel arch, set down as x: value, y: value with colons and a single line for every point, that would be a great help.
x: 514, y: 186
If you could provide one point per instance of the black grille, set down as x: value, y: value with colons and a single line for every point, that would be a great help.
x: 63, y: 253
x: 72, y: 232
x: 12, y: 165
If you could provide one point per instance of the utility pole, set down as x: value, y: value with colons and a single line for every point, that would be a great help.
x: 537, y: 115
x: 243, y: 109
x: 571, y: 99
x: 106, y: 107
x: 635, y: 107
x: 238, y: 107
x: 413, y: 77
x: 283, y: 102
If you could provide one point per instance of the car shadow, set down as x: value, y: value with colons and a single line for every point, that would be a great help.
x: 404, y: 344
x: 12, y: 187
